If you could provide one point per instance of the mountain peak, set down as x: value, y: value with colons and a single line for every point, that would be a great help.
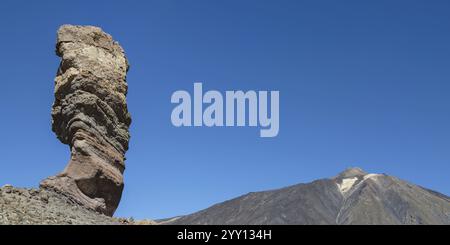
x: 365, y: 199
x: 352, y: 172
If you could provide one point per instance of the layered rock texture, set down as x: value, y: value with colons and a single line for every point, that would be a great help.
x: 90, y: 115
x: 352, y: 197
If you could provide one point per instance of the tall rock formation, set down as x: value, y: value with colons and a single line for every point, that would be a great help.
x: 90, y: 115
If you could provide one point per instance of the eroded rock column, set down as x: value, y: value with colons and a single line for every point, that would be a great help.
x: 90, y: 115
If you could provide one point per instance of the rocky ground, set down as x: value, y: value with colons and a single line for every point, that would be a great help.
x: 37, y: 206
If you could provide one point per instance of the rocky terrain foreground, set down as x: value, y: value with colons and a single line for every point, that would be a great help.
x: 38, y: 206
x: 19, y: 206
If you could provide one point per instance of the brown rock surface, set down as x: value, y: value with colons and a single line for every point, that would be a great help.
x: 90, y: 115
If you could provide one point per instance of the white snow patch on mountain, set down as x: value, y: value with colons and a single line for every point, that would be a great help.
x: 347, y: 184
x: 371, y: 176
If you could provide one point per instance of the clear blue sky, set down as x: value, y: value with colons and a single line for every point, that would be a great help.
x: 362, y: 83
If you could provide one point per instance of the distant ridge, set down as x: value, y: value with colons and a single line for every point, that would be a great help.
x: 352, y: 197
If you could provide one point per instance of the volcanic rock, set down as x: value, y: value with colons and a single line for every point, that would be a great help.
x: 90, y: 115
